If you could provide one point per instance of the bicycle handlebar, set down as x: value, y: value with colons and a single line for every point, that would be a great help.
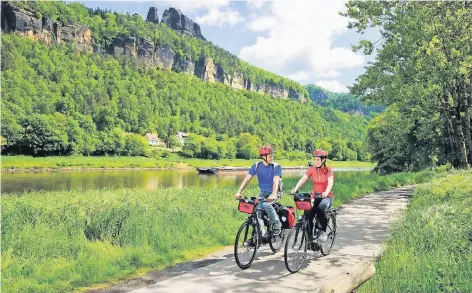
x: 312, y: 195
x: 261, y: 199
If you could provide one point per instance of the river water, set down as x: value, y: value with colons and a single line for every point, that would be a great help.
x: 19, y: 182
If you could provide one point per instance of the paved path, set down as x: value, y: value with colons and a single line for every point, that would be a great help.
x: 363, y: 224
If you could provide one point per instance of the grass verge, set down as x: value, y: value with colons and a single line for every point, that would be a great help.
x: 430, y: 250
x: 67, y: 240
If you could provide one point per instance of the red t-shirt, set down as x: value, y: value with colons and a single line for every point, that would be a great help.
x: 320, y: 178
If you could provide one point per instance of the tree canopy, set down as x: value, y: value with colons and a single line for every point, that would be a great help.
x: 56, y: 101
x: 423, y: 73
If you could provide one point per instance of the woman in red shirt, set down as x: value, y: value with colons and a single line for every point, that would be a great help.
x: 323, y: 179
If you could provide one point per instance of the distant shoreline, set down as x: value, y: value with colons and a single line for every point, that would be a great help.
x: 16, y: 164
x: 189, y: 168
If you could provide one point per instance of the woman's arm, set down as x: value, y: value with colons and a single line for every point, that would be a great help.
x: 329, y: 187
x: 300, y: 183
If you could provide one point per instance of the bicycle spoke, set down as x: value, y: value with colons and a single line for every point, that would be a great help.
x: 245, y: 245
x: 327, y: 245
x: 295, y: 249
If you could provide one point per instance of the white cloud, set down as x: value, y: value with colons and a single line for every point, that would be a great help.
x: 220, y: 17
x: 300, y: 76
x: 332, y: 85
x: 262, y: 24
x: 299, y: 38
x: 329, y: 73
x: 256, y: 4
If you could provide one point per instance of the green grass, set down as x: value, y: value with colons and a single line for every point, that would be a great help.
x: 430, y: 250
x: 283, y: 163
x: 27, y: 162
x: 174, y: 161
x: 65, y: 240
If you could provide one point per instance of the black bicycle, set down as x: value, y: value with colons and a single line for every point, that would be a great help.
x: 300, y: 238
x: 254, y: 232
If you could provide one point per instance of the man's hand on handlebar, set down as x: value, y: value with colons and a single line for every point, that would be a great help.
x: 237, y: 195
x: 272, y: 197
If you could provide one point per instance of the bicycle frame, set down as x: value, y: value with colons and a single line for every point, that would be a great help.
x: 303, y: 223
x: 259, y: 222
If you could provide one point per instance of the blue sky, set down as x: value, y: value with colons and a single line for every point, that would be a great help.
x: 303, y: 40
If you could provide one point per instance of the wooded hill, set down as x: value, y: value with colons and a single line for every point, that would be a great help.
x: 58, y: 97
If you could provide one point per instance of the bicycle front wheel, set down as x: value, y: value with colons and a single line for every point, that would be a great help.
x: 295, y: 249
x: 327, y: 245
x: 245, y: 245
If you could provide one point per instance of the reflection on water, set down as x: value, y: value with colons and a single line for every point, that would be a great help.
x: 24, y: 181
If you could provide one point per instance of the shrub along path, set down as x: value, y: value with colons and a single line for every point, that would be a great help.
x: 363, y: 225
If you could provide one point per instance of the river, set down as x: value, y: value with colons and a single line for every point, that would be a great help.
x: 19, y: 182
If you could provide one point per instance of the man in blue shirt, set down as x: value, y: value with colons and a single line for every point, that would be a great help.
x: 268, y: 176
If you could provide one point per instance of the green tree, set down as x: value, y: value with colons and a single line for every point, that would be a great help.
x: 45, y: 134
x: 423, y: 68
x: 247, y: 146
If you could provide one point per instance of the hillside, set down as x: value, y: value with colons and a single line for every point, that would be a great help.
x: 341, y: 101
x: 62, y: 94
x: 173, y: 43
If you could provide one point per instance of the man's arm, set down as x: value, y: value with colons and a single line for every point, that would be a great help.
x: 275, y: 185
x: 275, y: 188
x: 243, y: 185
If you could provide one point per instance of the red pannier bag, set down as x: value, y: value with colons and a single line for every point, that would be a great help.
x: 287, y: 217
x: 291, y: 217
x: 303, y: 201
x: 247, y: 205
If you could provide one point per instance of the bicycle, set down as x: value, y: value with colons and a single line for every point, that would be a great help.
x: 308, y: 239
x: 258, y: 223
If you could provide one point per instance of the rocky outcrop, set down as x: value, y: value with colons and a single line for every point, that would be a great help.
x: 164, y: 58
x: 183, y: 65
x: 79, y: 35
x: 26, y: 24
x: 222, y: 76
x: 152, y: 15
x: 124, y: 47
x: 146, y: 52
x: 150, y: 54
x: 174, y: 19
x: 206, y: 70
x: 293, y: 94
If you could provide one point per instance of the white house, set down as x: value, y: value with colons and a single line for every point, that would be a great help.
x: 153, y: 139
x: 182, y: 136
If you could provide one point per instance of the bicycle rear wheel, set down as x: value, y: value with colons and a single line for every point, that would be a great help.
x: 295, y: 249
x: 245, y: 245
x: 276, y: 242
x: 327, y: 245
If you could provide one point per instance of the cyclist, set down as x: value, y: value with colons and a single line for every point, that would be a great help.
x: 323, y: 180
x: 268, y: 176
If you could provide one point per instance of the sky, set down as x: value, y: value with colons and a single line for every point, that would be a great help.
x: 304, y: 40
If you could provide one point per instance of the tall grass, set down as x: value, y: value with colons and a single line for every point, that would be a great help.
x: 430, y: 250
x: 27, y: 162
x: 174, y: 161
x: 60, y: 241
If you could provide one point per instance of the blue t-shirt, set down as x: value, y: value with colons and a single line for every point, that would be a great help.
x: 265, y: 175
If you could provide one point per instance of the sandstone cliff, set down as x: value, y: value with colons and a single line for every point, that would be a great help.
x: 150, y: 54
